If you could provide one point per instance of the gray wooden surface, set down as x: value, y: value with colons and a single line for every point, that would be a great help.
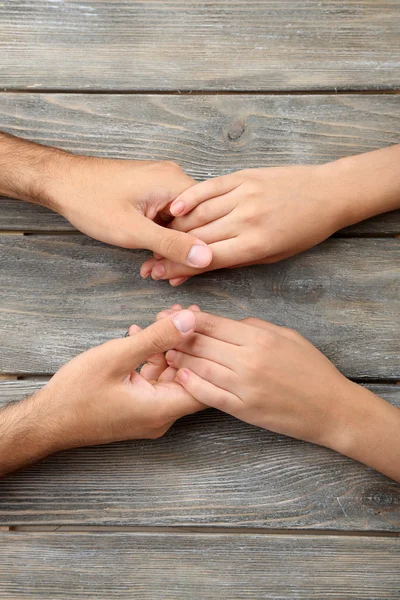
x: 62, y: 295
x: 207, y: 135
x: 201, y: 567
x: 191, y: 45
x: 208, y: 470
x: 216, y: 86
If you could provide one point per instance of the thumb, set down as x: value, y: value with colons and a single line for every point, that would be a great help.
x: 159, y: 337
x: 179, y: 247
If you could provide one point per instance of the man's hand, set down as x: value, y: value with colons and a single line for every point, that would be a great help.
x: 98, y: 397
x: 265, y: 215
x: 120, y: 202
x: 272, y: 377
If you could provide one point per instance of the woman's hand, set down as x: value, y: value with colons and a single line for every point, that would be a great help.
x: 272, y: 377
x: 265, y: 215
x: 252, y: 216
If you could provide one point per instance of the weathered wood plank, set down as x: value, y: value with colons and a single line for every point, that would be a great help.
x: 61, y: 295
x: 209, y: 469
x: 166, y: 567
x: 220, y: 45
x: 207, y: 135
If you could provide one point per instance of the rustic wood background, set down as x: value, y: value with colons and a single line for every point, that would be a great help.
x: 216, y: 508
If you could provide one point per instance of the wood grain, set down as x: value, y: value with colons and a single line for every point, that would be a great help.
x: 207, y: 135
x: 62, y: 295
x: 166, y: 567
x: 209, y: 469
x: 218, y: 45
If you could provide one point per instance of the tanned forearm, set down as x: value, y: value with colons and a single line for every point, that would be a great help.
x: 28, y: 170
x: 25, y: 433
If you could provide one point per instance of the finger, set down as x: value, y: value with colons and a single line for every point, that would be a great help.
x: 204, y: 213
x: 154, y: 366
x: 271, y: 327
x: 133, y: 329
x: 168, y: 375
x: 217, y: 231
x: 226, y: 330
x: 168, y: 311
x: 203, y: 346
x: 174, y: 401
x: 178, y: 281
x: 206, y: 369
x: 147, y: 266
x: 175, y: 308
x: 174, y: 245
x: 211, y: 188
x: 207, y: 393
x: 225, y: 254
x: 159, y: 337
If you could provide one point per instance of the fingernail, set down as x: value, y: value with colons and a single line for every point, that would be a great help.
x: 145, y: 274
x: 184, y: 321
x: 170, y: 355
x: 158, y: 271
x: 199, y: 256
x: 177, y: 208
x: 183, y: 375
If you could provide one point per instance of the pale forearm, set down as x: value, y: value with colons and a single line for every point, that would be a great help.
x: 25, y: 434
x: 28, y: 170
x: 364, y: 185
x: 369, y: 432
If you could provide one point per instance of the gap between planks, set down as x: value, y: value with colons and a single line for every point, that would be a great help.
x: 74, y: 232
x: 169, y: 92
x: 171, y: 530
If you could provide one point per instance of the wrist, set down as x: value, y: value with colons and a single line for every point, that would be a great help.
x: 30, y: 171
x: 366, y: 428
x: 362, y: 186
x: 25, y: 433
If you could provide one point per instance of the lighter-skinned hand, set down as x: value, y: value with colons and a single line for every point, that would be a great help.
x: 251, y: 217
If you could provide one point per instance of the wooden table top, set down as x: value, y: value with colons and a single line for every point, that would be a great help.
x: 216, y: 508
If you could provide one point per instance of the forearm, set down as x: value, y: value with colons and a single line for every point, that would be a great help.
x: 28, y: 171
x: 364, y: 185
x: 25, y: 434
x: 368, y: 430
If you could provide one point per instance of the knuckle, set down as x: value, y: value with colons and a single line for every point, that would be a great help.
x: 200, y: 213
x: 221, y: 401
x: 157, y: 339
x: 154, y: 434
x: 168, y: 244
x: 253, y: 248
x: 249, y: 321
x: 292, y: 333
x: 210, y: 323
x: 173, y: 165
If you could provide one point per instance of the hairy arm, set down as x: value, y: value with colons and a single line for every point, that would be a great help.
x: 25, y: 433
x: 98, y: 397
x: 120, y: 202
x: 28, y: 170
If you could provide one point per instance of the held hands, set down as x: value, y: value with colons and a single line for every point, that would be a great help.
x: 252, y: 216
x: 274, y: 378
x: 98, y: 397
